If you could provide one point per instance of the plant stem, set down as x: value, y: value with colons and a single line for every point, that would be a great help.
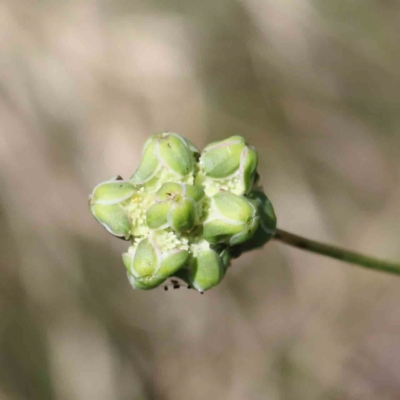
x: 336, y: 252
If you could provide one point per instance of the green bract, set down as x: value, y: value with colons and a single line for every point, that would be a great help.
x: 207, y: 267
x: 108, y: 204
x: 267, y: 226
x: 176, y: 206
x: 154, y: 259
x: 232, y: 219
x: 186, y: 216
x: 166, y: 157
x: 229, y: 164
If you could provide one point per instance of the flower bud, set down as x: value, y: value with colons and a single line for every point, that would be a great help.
x: 207, y: 267
x: 166, y: 157
x: 176, y: 206
x: 232, y: 219
x: 228, y: 164
x: 108, y: 204
x: 151, y: 261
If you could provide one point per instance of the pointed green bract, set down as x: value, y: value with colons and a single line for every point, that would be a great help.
x: 157, y: 215
x: 232, y: 219
x: 146, y: 262
x: 142, y: 265
x: 175, y: 153
x: 172, y: 262
x: 175, y: 207
x: 248, y: 168
x: 266, y: 211
x: 182, y: 215
x: 143, y: 261
x: 206, y: 269
x: 108, y: 205
x: 166, y: 157
x: 232, y: 207
x: 114, y: 218
x: 222, y: 159
x: 151, y: 261
x: 268, y: 222
x: 229, y: 164
x: 113, y: 192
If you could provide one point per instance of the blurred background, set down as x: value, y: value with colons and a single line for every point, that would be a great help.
x: 313, y: 85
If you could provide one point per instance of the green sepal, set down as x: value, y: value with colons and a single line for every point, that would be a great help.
x: 142, y: 265
x: 149, y: 267
x: 268, y: 220
x: 174, y: 152
x: 232, y: 219
x: 222, y: 159
x: 175, y: 206
x: 267, y: 226
x: 157, y: 215
x: 248, y: 168
x: 182, y: 216
x: 172, y: 262
x: 112, y: 192
x: 165, y: 152
x: 108, y: 206
x: 144, y: 261
x: 114, y: 218
x: 206, y: 270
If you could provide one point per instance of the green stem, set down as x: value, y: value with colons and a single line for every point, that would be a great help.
x: 336, y: 252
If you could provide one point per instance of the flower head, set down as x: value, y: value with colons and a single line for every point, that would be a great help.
x: 186, y: 216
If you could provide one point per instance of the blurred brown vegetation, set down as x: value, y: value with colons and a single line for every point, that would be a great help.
x: 313, y: 85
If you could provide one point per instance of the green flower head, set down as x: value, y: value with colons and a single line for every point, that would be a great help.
x: 186, y: 216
